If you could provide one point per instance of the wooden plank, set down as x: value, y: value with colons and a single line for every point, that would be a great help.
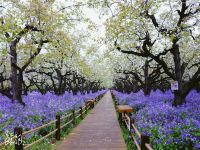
x: 100, y: 130
x: 124, y: 108
x: 90, y: 101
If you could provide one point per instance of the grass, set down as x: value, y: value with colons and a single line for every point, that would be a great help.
x: 125, y: 132
x: 128, y: 140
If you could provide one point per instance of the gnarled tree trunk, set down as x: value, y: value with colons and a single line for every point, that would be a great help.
x: 147, y: 88
x: 179, y: 97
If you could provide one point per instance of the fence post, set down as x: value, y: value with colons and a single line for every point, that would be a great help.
x: 144, y: 140
x: 86, y: 108
x: 19, y: 140
x: 73, y: 117
x: 92, y: 104
x: 81, y: 112
x: 58, y: 127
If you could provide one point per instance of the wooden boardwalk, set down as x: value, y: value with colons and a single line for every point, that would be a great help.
x: 100, y: 130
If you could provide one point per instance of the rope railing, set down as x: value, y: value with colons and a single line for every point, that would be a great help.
x: 78, y: 116
x: 41, y: 139
x: 145, y: 140
x: 148, y: 146
x: 66, y: 116
x: 7, y: 142
x: 66, y: 124
x: 19, y: 134
x: 136, y: 142
x: 84, y: 111
x: 136, y: 130
x: 129, y: 122
x: 38, y: 128
x: 84, y: 106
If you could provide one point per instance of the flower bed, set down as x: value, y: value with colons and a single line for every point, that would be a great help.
x: 39, y: 109
x: 169, y: 127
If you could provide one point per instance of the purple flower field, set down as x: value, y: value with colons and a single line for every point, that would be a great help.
x: 39, y: 109
x: 169, y: 127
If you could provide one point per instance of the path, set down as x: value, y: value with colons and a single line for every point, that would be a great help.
x: 100, y: 130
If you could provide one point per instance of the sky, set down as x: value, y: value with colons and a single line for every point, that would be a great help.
x: 102, y: 66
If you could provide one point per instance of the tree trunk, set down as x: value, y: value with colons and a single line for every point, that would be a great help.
x: 13, y: 75
x: 60, y: 79
x: 179, y: 97
x: 20, y: 84
x: 16, y: 79
x: 147, y: 89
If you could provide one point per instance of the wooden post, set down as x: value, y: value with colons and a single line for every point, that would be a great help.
x: 144, y: 140
x: 58, y: 127
x: 92, y: 105
x: 19, y: 139
x: 86, y: 108
x: 73, y: 117
x: 81, y: 112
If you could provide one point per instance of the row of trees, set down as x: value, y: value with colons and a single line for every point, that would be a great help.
x: 165, y: 34
x: 146, y: 78
x: 39, y: 50
x: 52, y: 76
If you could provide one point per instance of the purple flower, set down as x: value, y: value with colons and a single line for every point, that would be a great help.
x: 39, y: 109
x: 156, y: 116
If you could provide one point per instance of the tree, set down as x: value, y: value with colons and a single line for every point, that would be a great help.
x: 169, y: 37
x: 30, y: 27
x: 147, y: 77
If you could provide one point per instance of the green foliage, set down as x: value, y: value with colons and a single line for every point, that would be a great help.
x: 53, y: 21
x: 128, y: 140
